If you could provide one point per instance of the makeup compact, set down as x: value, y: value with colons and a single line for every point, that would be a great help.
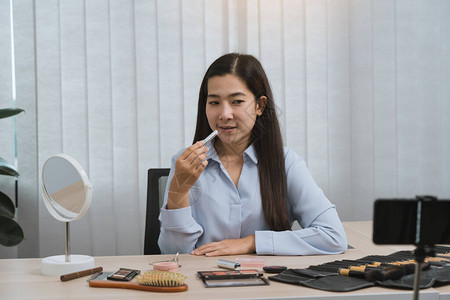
x: 274, y: 269
x: 231, y: 278
x: 167, y: 266
x: 123, y: 274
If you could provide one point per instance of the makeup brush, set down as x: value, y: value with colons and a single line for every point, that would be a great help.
x: 438, y: 259
x: 443, y: 255
x: 372, y: 275
x: 324, y: 269
x: 363, y: 268
x: 336, y: 267
x: 375, y: 274
x: 394, y: 272
x: 409, y: 267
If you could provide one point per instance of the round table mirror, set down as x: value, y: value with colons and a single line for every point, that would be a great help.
x: 67, y: 195
x: 65, y: 187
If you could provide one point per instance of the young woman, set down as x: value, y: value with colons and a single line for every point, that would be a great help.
x: 241, y: 192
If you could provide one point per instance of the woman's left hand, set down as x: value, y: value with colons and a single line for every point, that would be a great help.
x: 228, y: 247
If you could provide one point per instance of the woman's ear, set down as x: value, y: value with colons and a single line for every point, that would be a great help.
x: 261, y: 105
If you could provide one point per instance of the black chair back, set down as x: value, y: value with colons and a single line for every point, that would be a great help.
x: 156, y: 185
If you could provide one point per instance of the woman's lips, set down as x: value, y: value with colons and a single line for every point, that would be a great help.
x: 226, y: 128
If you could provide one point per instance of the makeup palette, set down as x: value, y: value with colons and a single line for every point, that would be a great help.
x: 228, y: 278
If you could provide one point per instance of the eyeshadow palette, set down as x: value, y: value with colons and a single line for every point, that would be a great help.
x: 232, y: 278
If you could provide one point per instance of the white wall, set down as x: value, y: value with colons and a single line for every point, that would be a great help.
x: 362, y: 89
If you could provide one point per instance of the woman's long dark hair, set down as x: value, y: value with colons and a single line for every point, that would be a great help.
x: 266, y: 134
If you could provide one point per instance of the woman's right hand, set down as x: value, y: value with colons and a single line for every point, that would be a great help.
x: 188, y: 168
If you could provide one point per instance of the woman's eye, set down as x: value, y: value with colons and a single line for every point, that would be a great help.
x: 213, y: 102
x: 238, y: 101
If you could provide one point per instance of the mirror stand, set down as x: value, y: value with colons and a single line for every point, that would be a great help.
x: 67, y: 195
x: 67, y: 248
x: 57, y: 265
x: 68, y: 263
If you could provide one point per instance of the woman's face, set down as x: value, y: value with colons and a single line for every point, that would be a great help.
x: 231, y: 109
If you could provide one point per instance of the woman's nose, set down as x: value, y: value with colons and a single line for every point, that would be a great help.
x: 226, y: 112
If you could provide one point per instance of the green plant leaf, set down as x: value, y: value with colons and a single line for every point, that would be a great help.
x: 11, y: 233
x: 7, y: 208
x: 8, y: 112
x: 7, y: 169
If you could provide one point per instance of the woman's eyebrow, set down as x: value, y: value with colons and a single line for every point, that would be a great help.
x: 230, y: 95
x: 237, y: 94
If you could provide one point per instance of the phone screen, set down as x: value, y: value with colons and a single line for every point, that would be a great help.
x: 395, y: 222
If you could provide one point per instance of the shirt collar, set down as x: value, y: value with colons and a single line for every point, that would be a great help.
x: 212, y: 154
x: 249, y: 152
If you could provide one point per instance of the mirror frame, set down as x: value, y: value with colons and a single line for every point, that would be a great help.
x: 87, y: 188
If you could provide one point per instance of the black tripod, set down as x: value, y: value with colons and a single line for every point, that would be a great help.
x: 421, y: 252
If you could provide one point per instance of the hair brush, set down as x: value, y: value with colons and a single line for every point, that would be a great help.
x: 151, y: 281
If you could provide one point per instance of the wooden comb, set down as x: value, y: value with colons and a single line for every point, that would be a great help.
x: 165, y: 282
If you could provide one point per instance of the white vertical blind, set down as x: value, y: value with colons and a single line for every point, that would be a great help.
x: 100, y: 118
x: 429, y: 84
x: 361, y: 108
x: 339, y: 107
x: 147, y: 89
x: 193, y: 62
x: 407, y: 100
x: 6, y: 101
x: 361, y: 89
x: 317, y: 91
x: 384, y: 99
x: 74, y: 105
x: 445, y: 95
x: 27, y: 142
x: 251, y: 31
x: 125, y: 127
x: 271, y: 50
x: 49, y: 110
x: 170, y: 56
x: 295, y: 75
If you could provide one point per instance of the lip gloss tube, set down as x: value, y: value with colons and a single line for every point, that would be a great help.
x: 226, y: 264
x: 211, y: 136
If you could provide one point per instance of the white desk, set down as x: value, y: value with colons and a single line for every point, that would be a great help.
x: 21, y: 278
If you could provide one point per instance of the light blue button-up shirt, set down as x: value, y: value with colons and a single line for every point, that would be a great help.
x: 218, y: 210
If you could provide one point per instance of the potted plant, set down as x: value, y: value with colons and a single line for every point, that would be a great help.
x: 11, y: 233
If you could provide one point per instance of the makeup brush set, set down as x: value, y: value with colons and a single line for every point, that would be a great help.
x: 395, y: 271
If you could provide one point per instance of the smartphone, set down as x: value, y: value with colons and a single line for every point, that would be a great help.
x: 397, y: 221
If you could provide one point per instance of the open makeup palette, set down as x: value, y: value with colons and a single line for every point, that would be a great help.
x: 232, y: 278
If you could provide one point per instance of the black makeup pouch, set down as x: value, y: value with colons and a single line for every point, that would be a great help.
x: 322, y: 280
x: 326, y: 281
x: 325, y: 277
x: 435, y: 276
